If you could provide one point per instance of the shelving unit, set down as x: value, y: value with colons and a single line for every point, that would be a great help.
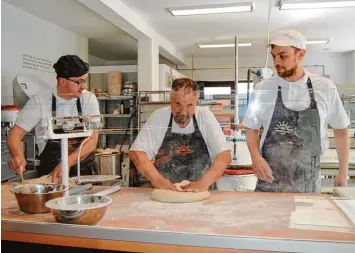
x: 115, y: 124
x: 349, y: 105
x: 145, y: 107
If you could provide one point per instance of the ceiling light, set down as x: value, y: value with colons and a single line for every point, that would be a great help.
x: 319, y: 41
x: 248, y: 44
x: 294, y: 5
x: 211, y: 9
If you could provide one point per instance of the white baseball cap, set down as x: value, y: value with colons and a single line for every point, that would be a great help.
x: 288, y: 38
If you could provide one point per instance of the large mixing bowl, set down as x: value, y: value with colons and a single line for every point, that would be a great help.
x: 81, y: 209
x: 31, y: 198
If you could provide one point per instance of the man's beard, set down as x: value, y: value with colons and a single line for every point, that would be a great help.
x: 182, y: 119
x: 288, y: 73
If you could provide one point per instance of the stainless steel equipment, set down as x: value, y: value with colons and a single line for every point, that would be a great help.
x: 31, y: 198
x: 95, y: 179
x: 6, y: 172
x: 25, y: 85
x: 73, y: 127
x: 130, y: 88
x: 82, y: 209
x: 8, y: 118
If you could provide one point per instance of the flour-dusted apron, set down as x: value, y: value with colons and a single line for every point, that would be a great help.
x: 292, y: 148
x: 183, y: 156
x: 51, y: 155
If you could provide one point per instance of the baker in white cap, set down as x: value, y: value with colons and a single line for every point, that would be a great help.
x: 294, y: 108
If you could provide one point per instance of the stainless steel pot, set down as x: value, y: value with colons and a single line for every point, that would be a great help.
x: 127, y: 91
x: 109, y: 164
x: 130, y: 85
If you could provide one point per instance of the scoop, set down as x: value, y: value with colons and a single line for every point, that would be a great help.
x: 87, y: 209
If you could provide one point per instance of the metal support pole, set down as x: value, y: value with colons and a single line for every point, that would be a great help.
x: 192, y: 67
x: 236, y: 65
x: 65, y: 164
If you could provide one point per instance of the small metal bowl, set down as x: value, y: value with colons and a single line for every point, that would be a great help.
x: 80, y: 209
x: 31, y: 198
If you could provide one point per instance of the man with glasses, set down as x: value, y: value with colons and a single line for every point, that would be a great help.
x: 70, y: 98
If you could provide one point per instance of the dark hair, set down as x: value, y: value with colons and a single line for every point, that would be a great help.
x: 186, y: 83
x: 70, y: 66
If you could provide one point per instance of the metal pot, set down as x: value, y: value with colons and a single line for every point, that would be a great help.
x: 130, y: 85
x: 31, y: 198
x: 127, y: 91
x: 82, y: 209
x: 109, y: 164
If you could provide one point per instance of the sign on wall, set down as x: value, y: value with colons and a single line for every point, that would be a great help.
x: 36, y: 63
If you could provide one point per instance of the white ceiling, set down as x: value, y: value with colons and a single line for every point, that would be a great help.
x: 110, y: 43
x: 106, y: 41
x: 186, y: 31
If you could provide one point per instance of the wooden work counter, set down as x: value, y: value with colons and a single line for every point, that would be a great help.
x: 226, y: 222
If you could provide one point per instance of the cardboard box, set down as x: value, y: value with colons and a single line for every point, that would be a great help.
x: 114, y: 89
x: 114, y: 77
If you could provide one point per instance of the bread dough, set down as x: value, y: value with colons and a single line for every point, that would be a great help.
x: 168, y: 196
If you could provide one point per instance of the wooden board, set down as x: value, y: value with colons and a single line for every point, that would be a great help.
x: 225, y: 213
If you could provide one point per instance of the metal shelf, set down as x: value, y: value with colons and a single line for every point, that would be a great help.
x: 168, y: 102
x: 116, y: 115
x: 115, y: 98
x: 111, y: 133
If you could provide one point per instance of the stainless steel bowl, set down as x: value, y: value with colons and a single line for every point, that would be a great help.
x: 80, y: 210
x: 31, y: 198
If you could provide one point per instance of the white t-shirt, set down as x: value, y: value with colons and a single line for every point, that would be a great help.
x: 39, y: 107
x: 295, y: 96
x: 151, y: 136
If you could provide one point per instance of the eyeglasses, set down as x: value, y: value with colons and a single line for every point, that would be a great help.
x: 79, y: 82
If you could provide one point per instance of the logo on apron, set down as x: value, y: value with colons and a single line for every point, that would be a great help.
x: 183, y: 150
x: 283, y: 128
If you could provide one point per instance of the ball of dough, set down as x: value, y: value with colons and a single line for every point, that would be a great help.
x: 168, y: 196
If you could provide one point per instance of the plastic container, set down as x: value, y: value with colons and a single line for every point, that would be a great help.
x: 237, y: 180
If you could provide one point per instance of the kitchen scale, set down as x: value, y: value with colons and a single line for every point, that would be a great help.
x: 64, y: 128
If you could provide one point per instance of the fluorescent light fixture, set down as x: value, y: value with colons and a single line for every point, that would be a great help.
x: 319, y: 41
x: 248, y: 44
x: 212, y: 9
x: 294, y: 5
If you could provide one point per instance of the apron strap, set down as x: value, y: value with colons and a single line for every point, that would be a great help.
x: 311, y: 94
x: 54, y: 107
x: 78, y: 107
x: 195, y: 122
x: 170, y: 126
x: 279, y: 94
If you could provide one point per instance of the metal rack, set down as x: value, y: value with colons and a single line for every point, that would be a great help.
x: 115, y: 125
x: 149, y: 101
x: 349, y: 105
